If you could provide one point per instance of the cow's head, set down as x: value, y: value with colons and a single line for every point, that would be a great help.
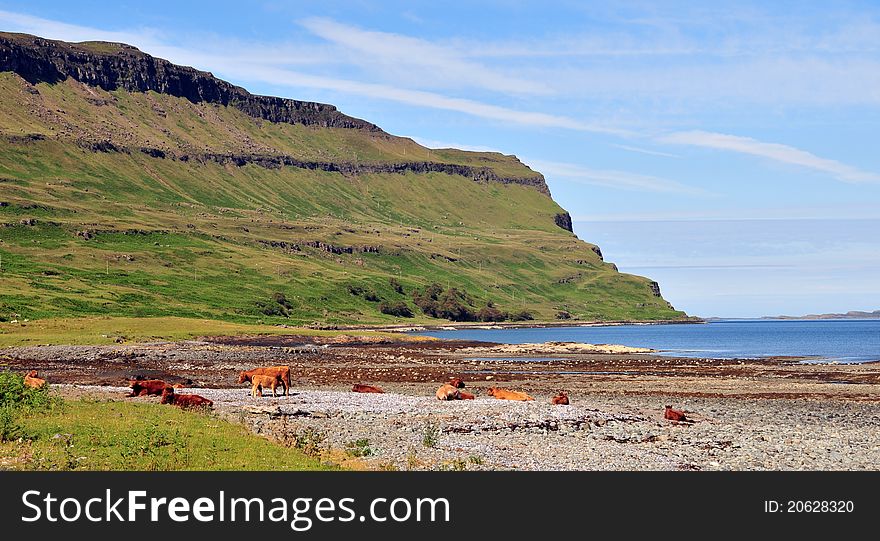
x: 490, y: 391
x: 243, y: 377
x: 458, y: 383
x: 32, y: 374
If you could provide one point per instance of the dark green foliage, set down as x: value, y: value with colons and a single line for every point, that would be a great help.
x: 367, y: 293
x: 359, y: 448
x: 396, y: 285
x: 279, y: 306
x: 16, y: 395
x: 281, y: 299
x: 371, y: 296
x: 491, y: 313
x: 397, y: 309
x: 522, y: 315
x: 452, y: 304
x: 10, y: 429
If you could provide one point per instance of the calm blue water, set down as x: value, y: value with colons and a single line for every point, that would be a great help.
x: 845, y: 341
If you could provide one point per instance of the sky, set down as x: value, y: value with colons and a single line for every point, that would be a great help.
x: 728, y: 152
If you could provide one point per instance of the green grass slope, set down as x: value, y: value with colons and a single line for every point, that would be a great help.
x: 92, y: 225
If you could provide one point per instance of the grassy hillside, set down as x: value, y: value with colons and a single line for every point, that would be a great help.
x: 112, y: 205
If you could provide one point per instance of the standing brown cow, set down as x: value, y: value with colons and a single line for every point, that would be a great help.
x: 261, y: 382
x: 280, y: 372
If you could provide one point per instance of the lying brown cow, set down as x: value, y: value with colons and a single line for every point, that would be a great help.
x: 184, y: 400
x: 507, y: 394
x: 561, y: 399
x: 261, y: 382
x: 280, y: 372
x: 448, y: 392
x: 362, y: 388
x: 676, y: 415
x: 31, y: 380
x: 146, y: 387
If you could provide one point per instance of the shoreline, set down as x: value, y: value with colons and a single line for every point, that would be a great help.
x: 771, y: 414
x: 517, y: 325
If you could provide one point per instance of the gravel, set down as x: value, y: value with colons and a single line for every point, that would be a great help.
x: 601, y: 431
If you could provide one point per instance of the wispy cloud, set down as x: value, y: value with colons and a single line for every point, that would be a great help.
x: 241, y: 66
x: 419, y: 61
x: 435, y: 144
x: 618, y: 180
x: 295, y: 79
x: 640, y: 150
x: 772, y: 151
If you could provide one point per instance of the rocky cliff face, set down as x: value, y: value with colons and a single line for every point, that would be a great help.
x: 112, y: 66
x: 563, y: 220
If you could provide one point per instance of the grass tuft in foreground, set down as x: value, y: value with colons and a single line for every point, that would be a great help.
x: 100, y: 435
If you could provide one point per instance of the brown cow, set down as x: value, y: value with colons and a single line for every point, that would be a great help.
x: 146, y: 387
x: 458, y: 383
x: 280, y: 372
x: 184, y: 400
x: 507, y: 394
x: 561, y: 399
x: 362, y: 388
x: 448, y: 392
x: 466, y: 396
x: 31, y: 380
x: 261, y: 382
x: 676, y: 415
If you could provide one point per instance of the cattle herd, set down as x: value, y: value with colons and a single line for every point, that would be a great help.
x: 272, y: 377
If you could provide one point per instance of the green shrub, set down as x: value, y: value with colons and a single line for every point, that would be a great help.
x: 9, y: 428
x: 522, y: 315
x: 16, y: 395
x: 490, y: 313
x: 396, y: 285
x: 453, y: 304
x: 431, y: 434
x: 397, y: 309
x: 358, y: 448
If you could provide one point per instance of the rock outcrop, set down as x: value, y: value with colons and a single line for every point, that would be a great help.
x: 113, y: 66
x: 563, y: 220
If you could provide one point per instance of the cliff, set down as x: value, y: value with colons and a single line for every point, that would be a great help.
x: 112, y: 66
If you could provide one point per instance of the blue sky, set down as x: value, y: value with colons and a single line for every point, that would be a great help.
x: 729, y: 152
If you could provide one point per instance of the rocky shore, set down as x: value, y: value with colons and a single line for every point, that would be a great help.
x: 769, y: 414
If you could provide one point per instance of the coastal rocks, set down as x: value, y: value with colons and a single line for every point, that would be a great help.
x: 553, y: 348
x: 655, y: 289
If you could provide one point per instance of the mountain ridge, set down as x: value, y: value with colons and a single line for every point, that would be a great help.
x: 111, y: 66
x: 142, y: 203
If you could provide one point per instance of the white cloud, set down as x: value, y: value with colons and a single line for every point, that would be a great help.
x: 619, y: 180
x: 640, y: 150
x: 240, y: 65
x: 772, y: 151
x: 420, y: 62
